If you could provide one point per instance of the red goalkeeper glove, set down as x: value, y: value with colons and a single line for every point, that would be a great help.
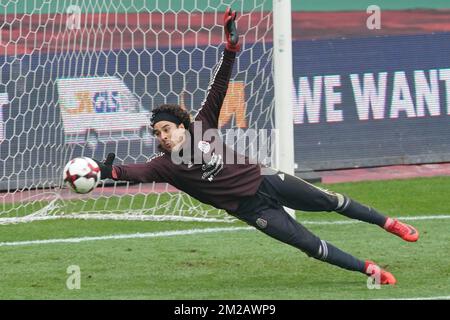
x: 231, y: 31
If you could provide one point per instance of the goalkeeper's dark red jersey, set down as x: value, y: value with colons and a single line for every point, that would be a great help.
x: 216, y: 182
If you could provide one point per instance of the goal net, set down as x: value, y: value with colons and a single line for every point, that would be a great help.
x: 80, y: 78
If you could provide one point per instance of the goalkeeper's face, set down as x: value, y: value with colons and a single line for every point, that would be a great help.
x: 169, y: 135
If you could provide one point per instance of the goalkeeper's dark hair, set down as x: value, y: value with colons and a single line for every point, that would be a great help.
x: 173, y: 109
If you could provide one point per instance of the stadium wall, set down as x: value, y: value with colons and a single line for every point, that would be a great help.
x: 336, y: 74
x: 406, y: 80
x: 372, y: 101
x: 47, y: 6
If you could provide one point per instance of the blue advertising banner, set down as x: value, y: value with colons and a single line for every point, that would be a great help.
x: 372, y: 101
x: 357, y: 102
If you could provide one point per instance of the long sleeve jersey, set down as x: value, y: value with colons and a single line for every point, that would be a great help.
x: 212, y: 179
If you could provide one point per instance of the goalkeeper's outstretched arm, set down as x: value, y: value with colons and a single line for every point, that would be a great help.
x: 210, y: 109
x: 152, y: 171
x: 139, y: 172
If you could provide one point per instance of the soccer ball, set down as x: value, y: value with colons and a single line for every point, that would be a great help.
x: 81, y: 174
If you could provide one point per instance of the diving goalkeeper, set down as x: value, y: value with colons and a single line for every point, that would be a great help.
x: 241, y: 189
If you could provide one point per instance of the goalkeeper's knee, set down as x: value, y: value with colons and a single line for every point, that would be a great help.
x: 342, y: 202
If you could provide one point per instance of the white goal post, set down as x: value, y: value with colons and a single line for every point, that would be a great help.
x: 79, y: 78
x: 282, y: 65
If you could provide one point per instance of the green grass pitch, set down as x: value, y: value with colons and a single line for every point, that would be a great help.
x: 243, y: 264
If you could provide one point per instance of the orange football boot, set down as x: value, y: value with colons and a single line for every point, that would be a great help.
x: 371, y: 269
x: 403, y: 230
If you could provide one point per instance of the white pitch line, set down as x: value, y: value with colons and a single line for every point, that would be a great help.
x: 422, y: 298
x: 161, y: 234
x: 123, y: 236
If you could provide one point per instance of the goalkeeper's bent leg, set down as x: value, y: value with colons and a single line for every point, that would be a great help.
x: 278, y: 224
x: 355, y: 210
x: 296, y: 193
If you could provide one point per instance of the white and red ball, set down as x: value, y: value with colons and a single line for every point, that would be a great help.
x: 82, y: 174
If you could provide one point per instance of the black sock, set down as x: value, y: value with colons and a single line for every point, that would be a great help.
x: 355, y: 210
x: 337, y: 257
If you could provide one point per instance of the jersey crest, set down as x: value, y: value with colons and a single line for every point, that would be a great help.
x: 204, y: 146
